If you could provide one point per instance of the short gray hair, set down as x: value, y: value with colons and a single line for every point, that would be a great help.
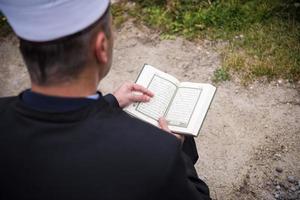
x: 63, y: 59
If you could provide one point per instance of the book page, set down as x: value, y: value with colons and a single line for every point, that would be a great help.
x: 184, y: 111
x: 183, y: 106
x: 164, y: 91
x: 147, y: 73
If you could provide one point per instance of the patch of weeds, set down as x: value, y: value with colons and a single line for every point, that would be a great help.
x: 5, y: 29
x: 264, y: 36
x: 167, y: 37
x: 120, y: 14
x: 157, y: 17
x: 234, y: 61
x: 220, y: 75
x: 270, y: 50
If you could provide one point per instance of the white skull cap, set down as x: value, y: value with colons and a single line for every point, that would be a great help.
x: 46, y: 20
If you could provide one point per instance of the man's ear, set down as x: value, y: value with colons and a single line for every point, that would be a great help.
x: 101, y: 48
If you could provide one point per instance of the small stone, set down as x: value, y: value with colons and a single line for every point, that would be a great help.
x: 282, y: 184
x: 298, y: 182
x: 293, y: 189
x: 275, y: 182
x: 291, y: 179
x: 277, y: 187
x: 276, y: 195
x: 282, y: 195
x: 280, y: 81
x: 279, y: 169
x: 292, y: 197
x: 277, y: 156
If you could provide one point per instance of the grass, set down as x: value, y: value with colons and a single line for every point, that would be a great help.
x: 263, y: 36
x: 220, y: 75
x: 4, y: 27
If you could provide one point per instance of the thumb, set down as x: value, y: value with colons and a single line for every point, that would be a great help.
x: 139, y: 98
x: 163, y: 124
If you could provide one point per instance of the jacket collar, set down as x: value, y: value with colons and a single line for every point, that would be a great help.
x: 46, y: 103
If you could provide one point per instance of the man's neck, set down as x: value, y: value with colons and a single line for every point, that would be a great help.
x: 78, y: 88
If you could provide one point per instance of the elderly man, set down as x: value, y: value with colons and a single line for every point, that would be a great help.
x: 61, y: 139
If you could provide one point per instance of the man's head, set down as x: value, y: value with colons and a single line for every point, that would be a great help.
x: 64, y: 59
x: 58, y: 49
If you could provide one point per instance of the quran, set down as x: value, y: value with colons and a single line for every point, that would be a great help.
x: 183, y: 104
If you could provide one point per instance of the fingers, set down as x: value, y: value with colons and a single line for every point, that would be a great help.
x: 128, y: 93
x: 144, y: 97
x: 139, y: 98
x: 139, y: 88
x: 163, y: 124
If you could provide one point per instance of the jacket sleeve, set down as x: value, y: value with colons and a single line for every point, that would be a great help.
x: 190, y: 149
x: 111, y: 100
x: 182, y: 180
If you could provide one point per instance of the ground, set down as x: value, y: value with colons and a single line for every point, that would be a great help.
x: 250, y: 142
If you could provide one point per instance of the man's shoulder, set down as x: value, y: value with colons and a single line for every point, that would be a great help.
x: 138, y: 128
x: 6, y: 102
x: 149, y: 145
x: 143, y: 136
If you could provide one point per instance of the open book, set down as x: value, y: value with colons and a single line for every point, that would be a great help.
x: 183, y: 104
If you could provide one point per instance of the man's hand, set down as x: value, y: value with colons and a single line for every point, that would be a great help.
x: 126, y: 94
x: 164, y: 126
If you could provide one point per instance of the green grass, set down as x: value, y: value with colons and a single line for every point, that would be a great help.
x: 4, y: 27
x: 220, y: 75
x: 264, y: 36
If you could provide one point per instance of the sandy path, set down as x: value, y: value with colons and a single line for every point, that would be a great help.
x: 247, y: 132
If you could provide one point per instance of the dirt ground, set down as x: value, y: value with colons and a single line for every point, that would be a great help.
x: 249, y: 145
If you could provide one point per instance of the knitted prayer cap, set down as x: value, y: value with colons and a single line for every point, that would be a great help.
x: 46, y: 20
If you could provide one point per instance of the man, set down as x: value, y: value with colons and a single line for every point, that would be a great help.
x: 62, y: 139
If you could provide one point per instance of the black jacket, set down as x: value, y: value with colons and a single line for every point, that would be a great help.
x: 96, y: 151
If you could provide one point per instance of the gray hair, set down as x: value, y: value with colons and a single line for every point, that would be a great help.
x: 62, y: 59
